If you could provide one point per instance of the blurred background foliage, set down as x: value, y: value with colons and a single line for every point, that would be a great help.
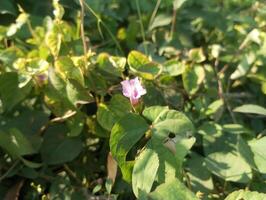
x: 58, y: 104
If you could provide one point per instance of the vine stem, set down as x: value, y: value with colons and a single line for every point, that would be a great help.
x: 173, y: 23
x: 72, y: 174
x: 9, y: 170
x: 82, y: 33
x: 154, y: 12
x: 141, y: 27
x: 105, y: 26
x: 221, y: 92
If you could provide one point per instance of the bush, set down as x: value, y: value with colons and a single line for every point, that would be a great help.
x: 132, y: 99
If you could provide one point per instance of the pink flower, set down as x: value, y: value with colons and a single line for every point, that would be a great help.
x: 133, y: 90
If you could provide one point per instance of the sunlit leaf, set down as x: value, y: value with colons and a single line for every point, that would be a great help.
x: 251, y: 108
x: 141, y: 65
x: 192, y: 77
x: 247, y: 195
x: 173, y: 190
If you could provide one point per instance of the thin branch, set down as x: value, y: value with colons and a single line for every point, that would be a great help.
x: 221, y: 92
x: 82, y: 33
x: 173, y: 23
x: 105, y: 26
x: 9, y: 170
x: 141, y: 27
x: 72, y: 174
x: 154, y: 12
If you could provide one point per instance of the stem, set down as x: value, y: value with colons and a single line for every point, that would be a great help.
x: 141, y: 27
x: 105, y: 26
x: 31, y: 29
x: 72, y: 174
x: 9, y: 170
x: 221, y: 92
x: 82, y: 14
x: 187, y: 179
x: 154, y: 12
x: 173, y: 23
x: 113, y: 37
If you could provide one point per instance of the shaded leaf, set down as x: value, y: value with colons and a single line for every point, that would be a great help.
x: 144, y: 171
x: 229, y: 166
x: 57, y: 148
x: 125, y: 133
x: 16, y: 143
x: 9, y: 82
x: 257, y: 147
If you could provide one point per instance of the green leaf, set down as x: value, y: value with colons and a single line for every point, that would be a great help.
x: 75, y: 124
x: 108, y: 115
x: 31, y: 164
x: 237, y: 129
x: 53, y: 40
x: 245, y: 151
x: 251, y: 108
x: 192, y: 77
x: 125, y: 133
x: 173, y: 68
x: 144, y: 171
x: 154, y: 96
x: 20, y: 21
x: 8, y: 7
x: 182, y: 147
x: 92, y: 78
x: 57, y: 148
x: 67, y: 69
x: 58, y: 10
x: 111, y: 64
x: 257, y: 147
x: 245, y: 195
x: 244, y: 66
x: 178, y: 3
x: 15, y: 143
x: 77, y: 94
x: 9, y: 82
x: 172, y: 190
x: 141, y: 65
x: 153, y: 112
x: 169, y: 164
x: 171, y: 156
x: 160, y: 20
x: 222, y: 156
x: 119, y: 105
x: 172, y: 121
x: 196, y: 55
x: 200, y: 177
x: 229, y: 166
x: 105, y: 117
x: 214, y: 107
x: 252, y: 36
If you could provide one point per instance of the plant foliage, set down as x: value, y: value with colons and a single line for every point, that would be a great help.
x: 67, y: 131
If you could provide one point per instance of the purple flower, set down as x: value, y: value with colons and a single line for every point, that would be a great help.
x: 133, y: 90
